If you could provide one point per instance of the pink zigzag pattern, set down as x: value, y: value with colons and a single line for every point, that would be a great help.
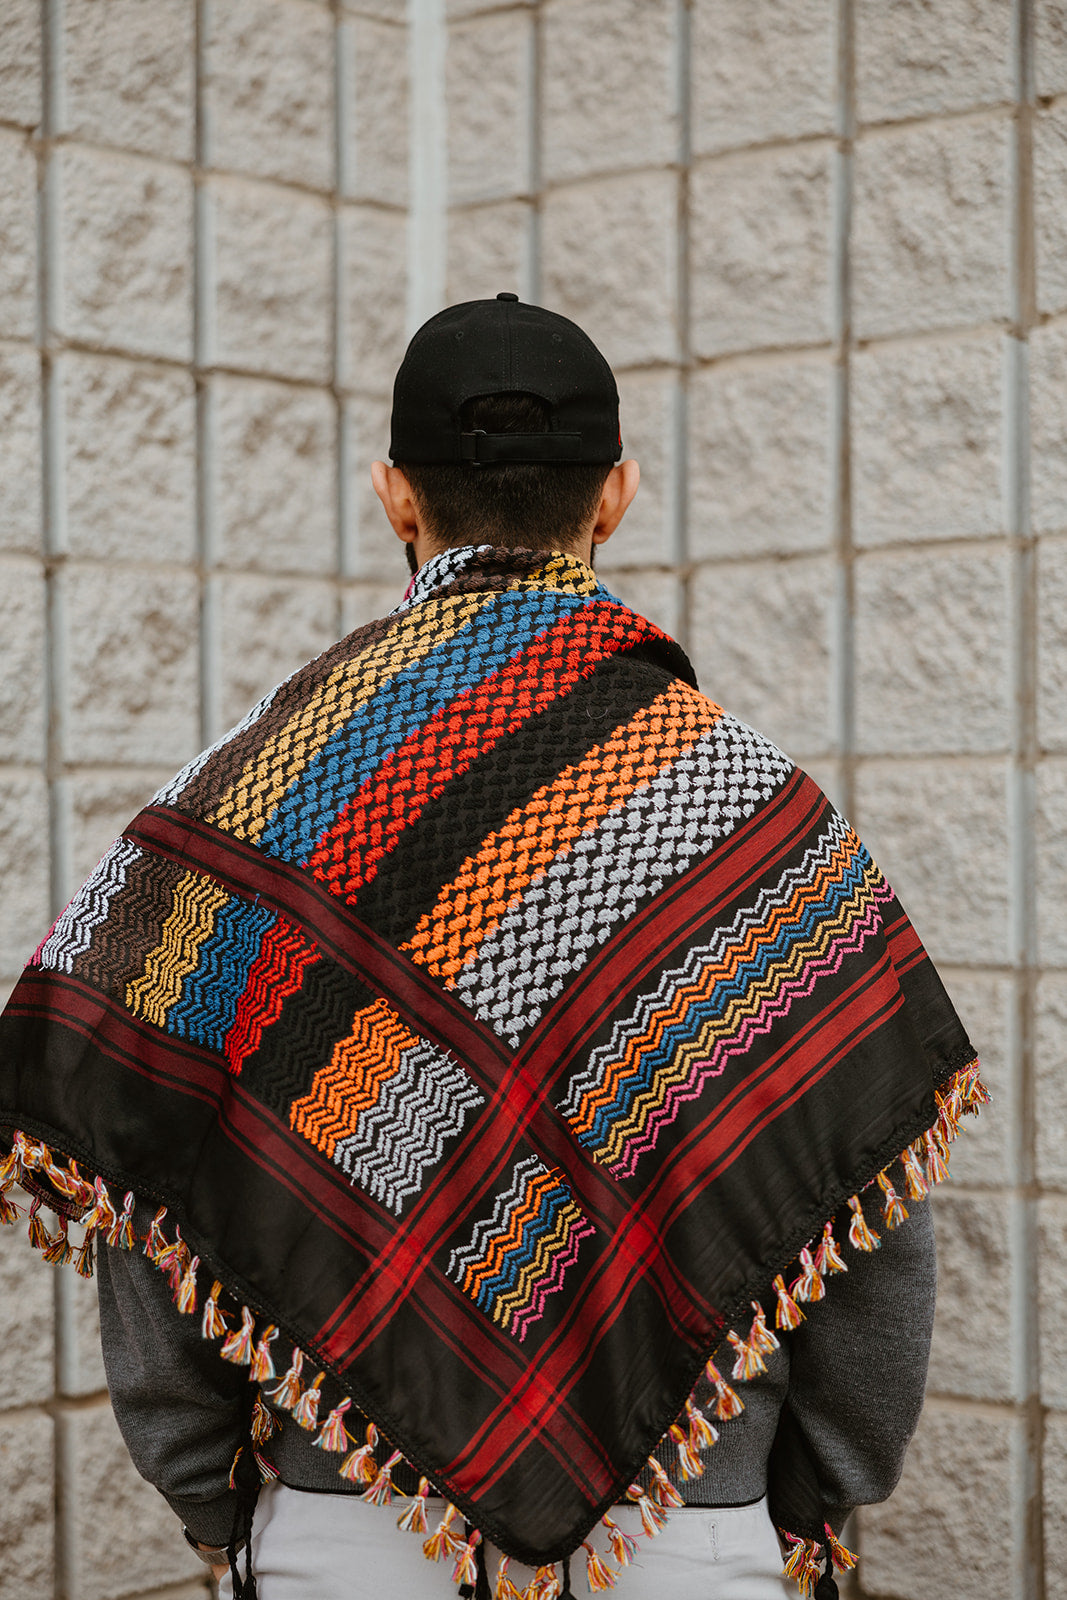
x: 553, y: 1280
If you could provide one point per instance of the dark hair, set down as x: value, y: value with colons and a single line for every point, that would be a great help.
x: 531, y: 505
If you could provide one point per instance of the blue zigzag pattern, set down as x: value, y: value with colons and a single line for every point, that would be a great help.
x: 207, y: 1006
x: 524, y: 1251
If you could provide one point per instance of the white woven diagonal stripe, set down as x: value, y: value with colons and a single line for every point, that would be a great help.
x: 74, y: 929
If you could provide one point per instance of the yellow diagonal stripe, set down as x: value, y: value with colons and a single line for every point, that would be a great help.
x: 197, y: 902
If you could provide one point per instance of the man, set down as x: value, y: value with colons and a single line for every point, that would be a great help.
x: 493, y: 1043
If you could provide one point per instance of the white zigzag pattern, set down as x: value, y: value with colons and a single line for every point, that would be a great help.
x: 461, y: 1259
x: 181, y: 781
x: 420, y: 1106
x: 73, y: 930
x: 587, y: 892
x: 698, y: 958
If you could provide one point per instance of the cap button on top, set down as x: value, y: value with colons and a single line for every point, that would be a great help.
x: 507, y: 295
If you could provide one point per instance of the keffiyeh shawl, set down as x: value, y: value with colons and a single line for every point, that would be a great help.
x: 496, y: 1025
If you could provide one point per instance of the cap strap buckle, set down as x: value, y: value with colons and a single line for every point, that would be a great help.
x: 481, y: 448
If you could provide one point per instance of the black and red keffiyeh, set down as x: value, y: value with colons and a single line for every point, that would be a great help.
x: 492, y: 1020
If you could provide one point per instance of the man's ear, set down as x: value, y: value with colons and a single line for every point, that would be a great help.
x: 620, y: 486
x: 394, y: 491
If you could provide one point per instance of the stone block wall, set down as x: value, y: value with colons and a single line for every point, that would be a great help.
x: 823, y: 243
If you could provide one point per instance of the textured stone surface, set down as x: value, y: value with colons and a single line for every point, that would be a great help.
x: 1048, y: 428
x: 760, y: 249
x: 275, y: 453
x: 933, y: 651
x: 1052, y: 1298
x: 914, y: 57
x: 99, y: 805
x: 268, y: 628
x: 127, y: 253
x: 765, y: 70
x: 931, y: 226
x: 371, y: 550
x: 455, y: 8
x: 1054, y: 1484
x: 22, y: 661
x: 273, y: 255
x: 80, y: 1368
x: 1050, y: 46
x: 365, y: 602
x: 129, y: 74
x: 489, y: 130
x: 130, y: 475
x: 383, y: 10
x: 375, y: 118
x: 987, y: 1006
x: 23, y: 867
x: 648, y: 413
x: 759, y: 458
x: 949, y: 1523
x: 973, y: 1326
x: 26, y: 1533
x: 121, y: 1535
x: 373, y: 287
x: 1050, y: 225
x: 1050, y: 1141
x: 610, y: 263
x: 939, y: 830
x: 20, y: 429
x: 626, y: 49
x: 20, y: 62
x: 18, y: 229
x: 489, y: 248
x: 132, y: 652
x: 1051, y: 862
x: 761, y: 646
x: 1052, y: 644
x: 26, y: 1291
x: 269, y: 89
x: 926, y: 433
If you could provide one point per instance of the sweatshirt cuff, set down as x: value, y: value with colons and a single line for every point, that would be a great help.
x: 209, y: 1521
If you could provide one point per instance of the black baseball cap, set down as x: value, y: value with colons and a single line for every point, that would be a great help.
x: 503, y: 346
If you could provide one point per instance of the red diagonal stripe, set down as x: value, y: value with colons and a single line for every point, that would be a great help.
x: 277, y: 972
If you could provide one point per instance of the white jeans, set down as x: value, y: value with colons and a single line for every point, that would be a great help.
x: 336, y: 1547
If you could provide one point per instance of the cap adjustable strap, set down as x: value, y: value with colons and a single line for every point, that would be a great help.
x: 480, y: 447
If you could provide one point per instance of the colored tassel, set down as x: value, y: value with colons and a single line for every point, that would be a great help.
x: 623, y: 1545
x: 8, y: 1168
x: 120, y: 1233
x: 261, y: 1367
x: 809, y: 1286
x: 443, y: 1542
x: 66, y: 1181
x: 689, y: 1462
x: 936, y: 1165
x: 802, y: 1563
x: 268, y: 1472
x: 760, y: 1336
x: 788, y: 1314
x: 29, y: 1154
x: 701, y: 1433
x: 662, y: 1489
x: 859, y: 1235
x: 973, y: 1091
x: 39, y: 1236
x: 233, y: 1469
x: 895, y: 1210
x: 9, y: 1211
x: 264, y: 1422
x: 333, y: 1434
x: 213, y: 1323
x: 306, y: 1410
x: 466, y: 1567
x: 828, y: 1258
x: 652, y: 1518
x: 749, y: 1361
x: 102, y: 1216
x: 156, y: 1242
x: 546, y: 1585
x: 59, y: 1251
x: 843, y: 1558
x: 238, y: 1345
x: 505, y: 1589
x: 83, y: 1259
x: 287, y: 1393
x: 915, y: 1184
x: 380, y: 1492
x: 414, y: 1518
x: 598, y: 1574
x: 361, y: 1466
x: 949, y: 1109
x: 187, y: 1289
x: 173, y: 1259
x: 728, y: 1402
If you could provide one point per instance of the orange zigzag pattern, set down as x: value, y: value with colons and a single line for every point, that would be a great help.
x: 360, y: 1066
x: 503, y: 1243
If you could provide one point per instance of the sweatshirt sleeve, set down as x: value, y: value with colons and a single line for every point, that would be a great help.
x: 179, y: 1408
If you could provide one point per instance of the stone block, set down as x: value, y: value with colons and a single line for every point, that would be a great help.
x: 763, y: 71
x: 939, y: 830
x: 18, y: 229
x: 617, y: 279
x: 129, y: 75
x: 268, y: 89
x: 273, y: 280
x: 119, y: 1533
x: 133, y: 689
x: 986, y: 1153
x: 933, y: 647
x: 383, y: 10
x: 81, y: 1364
x: 373, y: 276
x: 457, y: 8
x: 371, y: 550
x: 925, y: 419
x: 489, y: 129
x: 127, y: 249
x: 366, y: 602
x: 1051, y: 862
x: 1050, y: 1137
x: 26, y: 1326
x: 1052, y: 1298
x: 489, y: 249
x: 932, y: 226
x: 760, y: 458
x: 1048, y: 429
x: 760, y: 257
x: 27, y: 1536
x: 1054, y: 1485
x: 98, y: 807
x: 375, y: 117
x: 950, y: 1522
x: 624, y: 51
x: 269, y: 627
x: 129, y: 459
x: 760, y: 642
x: 20, y: 429
x: 649, y: 408
x: 914, y: 59
x: 276, y: 475
x: 1052, y: 644
x: 22, y: 661
x: 1050, y: 225
x: 24, y: 903
x: 20, y: 63
x: 971, y: 1351
x: 1050, y: 46
x: 653, y: 592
